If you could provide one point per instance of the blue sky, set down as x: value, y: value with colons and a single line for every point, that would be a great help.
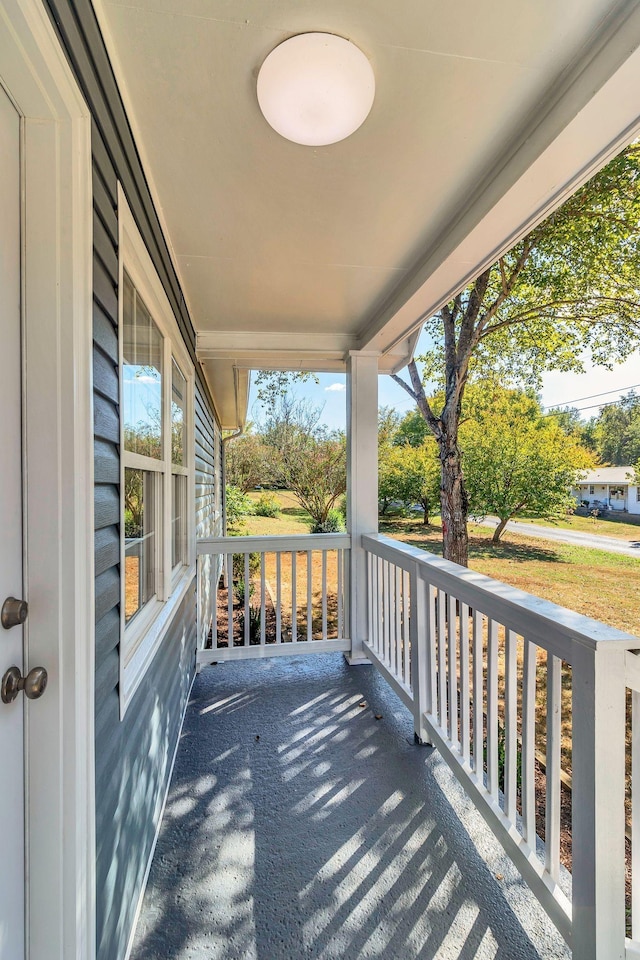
x: 558, y: 389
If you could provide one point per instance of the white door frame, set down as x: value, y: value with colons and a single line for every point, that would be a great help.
x: 58, y: 460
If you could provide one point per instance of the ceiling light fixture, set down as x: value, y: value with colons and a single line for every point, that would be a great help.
x: 316, y: 88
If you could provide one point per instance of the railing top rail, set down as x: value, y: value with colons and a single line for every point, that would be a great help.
x: 523, y: 612
x: 276, y: 544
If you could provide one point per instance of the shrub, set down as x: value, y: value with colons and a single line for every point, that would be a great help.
x: 333, y: 524
x: 267, y: 506
x: 238, y: 565
x: 255, y: 620
x: 240, y: 592
x: 237, y: 506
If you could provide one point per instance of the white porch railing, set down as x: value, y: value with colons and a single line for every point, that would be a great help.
x: 495, y: 677
x: 284, y: 595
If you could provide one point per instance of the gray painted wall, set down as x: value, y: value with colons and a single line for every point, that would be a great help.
x: 133, y: 756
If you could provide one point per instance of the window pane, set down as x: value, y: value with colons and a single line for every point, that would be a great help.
x: 179, y: 520
x: 141, y: 377
x: 178, y: 414
x: 140, y: 495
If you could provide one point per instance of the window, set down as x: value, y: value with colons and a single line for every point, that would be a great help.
x: 158, y: 525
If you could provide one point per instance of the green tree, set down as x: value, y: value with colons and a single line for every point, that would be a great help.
x: 517, y: 462
x: 412, y: 429
x: 237, y: 506
x: 410, y: 475
x: 569, y: 288
x: 306, y: 458
x: 247, y: 462
x: 616, y: 431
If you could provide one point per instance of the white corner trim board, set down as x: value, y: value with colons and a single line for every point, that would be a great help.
x: 58, y: 457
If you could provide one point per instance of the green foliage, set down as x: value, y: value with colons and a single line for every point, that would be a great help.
x: 410, y: 475
x: 412, y: 430
x: 566, y: 292
x: 267, y: 505
x: 518, y: 462
x: 255, y: 621
x: 240, y: 591
x: 247, y: 462
x: 237, y: 506
x: 273, y: 385
x: 333, y: 523
x: 615, y: 432
x: 307, y: 459
x: 238, y: 565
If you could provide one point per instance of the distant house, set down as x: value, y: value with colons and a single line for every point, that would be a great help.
x: 609, y: 486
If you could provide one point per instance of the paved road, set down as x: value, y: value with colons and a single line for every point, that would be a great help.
x: 628, y: 548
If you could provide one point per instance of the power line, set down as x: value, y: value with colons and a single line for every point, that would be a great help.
x: 591, y: 396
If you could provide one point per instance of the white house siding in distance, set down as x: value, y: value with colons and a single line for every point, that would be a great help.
x: 610, y: 487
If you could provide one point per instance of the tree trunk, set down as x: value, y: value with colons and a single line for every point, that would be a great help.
x: 454, y: 503
x: 425, y: 516
x: 499, y: 530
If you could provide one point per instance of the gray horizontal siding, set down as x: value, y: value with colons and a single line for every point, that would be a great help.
x: 133, y: 756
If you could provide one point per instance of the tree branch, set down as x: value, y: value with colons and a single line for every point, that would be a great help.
x: 418, y: 396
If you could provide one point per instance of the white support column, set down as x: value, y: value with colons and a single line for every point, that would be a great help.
x: 362, y: 483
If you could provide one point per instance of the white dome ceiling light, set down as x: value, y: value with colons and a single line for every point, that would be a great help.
x: 316, y: 89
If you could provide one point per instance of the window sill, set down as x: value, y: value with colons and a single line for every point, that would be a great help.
x: 133, y: 673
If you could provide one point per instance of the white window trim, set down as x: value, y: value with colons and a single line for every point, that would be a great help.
x: 141, y: 639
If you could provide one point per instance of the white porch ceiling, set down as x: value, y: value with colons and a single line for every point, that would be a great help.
x: 289, y: 256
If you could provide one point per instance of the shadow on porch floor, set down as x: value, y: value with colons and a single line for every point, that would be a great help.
x: 300, y: 826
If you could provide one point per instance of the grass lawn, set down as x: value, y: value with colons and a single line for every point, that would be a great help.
x: 601, y: 585
x: 624, y: 527
x: 292, y: 520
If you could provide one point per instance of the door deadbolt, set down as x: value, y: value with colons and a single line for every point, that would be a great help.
x: 14, y: 612
x: 34, y: 684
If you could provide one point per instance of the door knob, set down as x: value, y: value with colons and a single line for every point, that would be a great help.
x: 14, y: 612
x: 34, y: 684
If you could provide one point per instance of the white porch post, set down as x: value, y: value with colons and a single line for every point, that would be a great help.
x: 362, y: 483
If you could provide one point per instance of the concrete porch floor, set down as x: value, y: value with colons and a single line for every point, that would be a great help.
x: 300, y: 826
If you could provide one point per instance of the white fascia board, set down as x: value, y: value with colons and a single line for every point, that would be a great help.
x: 325, y: 353
x: 588, y: 120
x: 222, y: 344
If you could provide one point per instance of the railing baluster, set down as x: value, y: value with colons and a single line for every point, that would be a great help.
x: 464, y: 682
x: 635, y: 814
x: 492, y: 708
x: 339, y: 590
x: 442, y: 660
x: 452, y: 668
x: 324, y: 594
x: 529, y: 743
x: 346, y: 557
x: 552, y: 808
x: 511, y: 726
x: 406, y: 642
x: 373, y: 599
x: 230, y: 599
x: 263, y: 600
x: 294, y: 597
x: 398, y: 600
x: 278, y: 597
x: 386, y: 612
x: 392, y: 619
x: 309, y: 596
x: 247, y: 619
x: 432, y: 663
x: 478, y: 696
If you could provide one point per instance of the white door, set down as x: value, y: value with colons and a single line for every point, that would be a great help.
x: 12, y: 878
